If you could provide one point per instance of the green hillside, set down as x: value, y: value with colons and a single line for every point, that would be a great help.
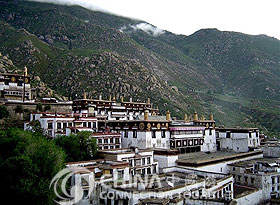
x: 72, y: 50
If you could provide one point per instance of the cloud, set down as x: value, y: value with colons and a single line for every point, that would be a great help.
x: 148, y: 28
x: 83, y: 3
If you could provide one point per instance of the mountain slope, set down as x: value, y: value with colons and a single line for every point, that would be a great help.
x: 72, y: 50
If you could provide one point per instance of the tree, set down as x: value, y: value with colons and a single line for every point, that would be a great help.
x: 47, y: 107
x: 35, y: 126
x: 19, y: 109
x: 4, y: 113
x: 78, y: 146
x: 28, y: 162
x: 39, y: 107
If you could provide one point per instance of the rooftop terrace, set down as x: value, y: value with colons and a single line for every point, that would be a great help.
x: 197, y: 159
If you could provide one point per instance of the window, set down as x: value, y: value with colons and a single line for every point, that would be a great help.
x: 89, y: 124
x: 155, y: 168
x: 70, y: 124
x: 105, y: 147
x: 273, y: 180
x: 111, y: 140
x: 117, y: 146
x: 153, y: 134
x: 99, y: 141
x: 64, y: 125
x: 250, y: 135
x: 138, y: 162
x: 117, y: 140
x: 149, y: 170
x: 228, y: 135
x: 58, y: 125
x: 210, y: 131
x: 252, y: 180
x: 143, y: 171
x: 120, y: 174
x: 130, y: 162
x: 85, y: 195
x: 84, y: 124
x: 143, y: 161
x: 134, y: 134
x: 233, y: 169
x: 246, y: 179
x: 50, y: 125
x: 149, y: 160
x: 163, y: 133
x: 105, y: 141
x: 126, y: 134
x: 111, y: 147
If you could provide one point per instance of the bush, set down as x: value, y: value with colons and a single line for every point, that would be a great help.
x: 28, y: 162
x: 78, y: 147
x: 4, y: 113
x: 19, y: 109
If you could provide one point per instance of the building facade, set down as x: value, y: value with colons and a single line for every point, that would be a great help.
x: 141, y: 161
x: 14, y: 86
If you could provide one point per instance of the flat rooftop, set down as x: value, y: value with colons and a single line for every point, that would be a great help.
x: 124, y: 151
x: 164, y: 182
x: 237, y: 129
x: 270, y: 161
x: 241, y: 191
x: 197, y: 159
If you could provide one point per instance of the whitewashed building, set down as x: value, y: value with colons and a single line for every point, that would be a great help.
x: 236, y: 138
x: 263, y: 173
x: 56, y: 124
x: 12, y: 86
x: 107, y: 140
x: 141, y: 161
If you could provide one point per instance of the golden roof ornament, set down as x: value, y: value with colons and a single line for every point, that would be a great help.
x: 168, y: 116
x: 211, y: 116
x: 195, y: 116
x: 25, y: 70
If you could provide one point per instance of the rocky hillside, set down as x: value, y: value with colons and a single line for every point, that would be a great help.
x: 71, y: 50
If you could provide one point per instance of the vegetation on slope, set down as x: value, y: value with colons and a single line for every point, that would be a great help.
x: 72, y: 50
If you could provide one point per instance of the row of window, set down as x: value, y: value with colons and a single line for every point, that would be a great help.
x: 109, y: 140
x: 246, y: 179
x: 186, y: 132
x: 139, y: 162
x: 63, y: 125
x: 186, y: 143
x: 15, y: 93
x: 135, y: 133
x: 108, y: 147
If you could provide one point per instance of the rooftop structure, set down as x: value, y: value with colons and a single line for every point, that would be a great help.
x: 236, y: 135
x: 107, y: 140
x: 141, y: 161
x: 56, y: 124
x: 262, y: 173
x: 14, y: 86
